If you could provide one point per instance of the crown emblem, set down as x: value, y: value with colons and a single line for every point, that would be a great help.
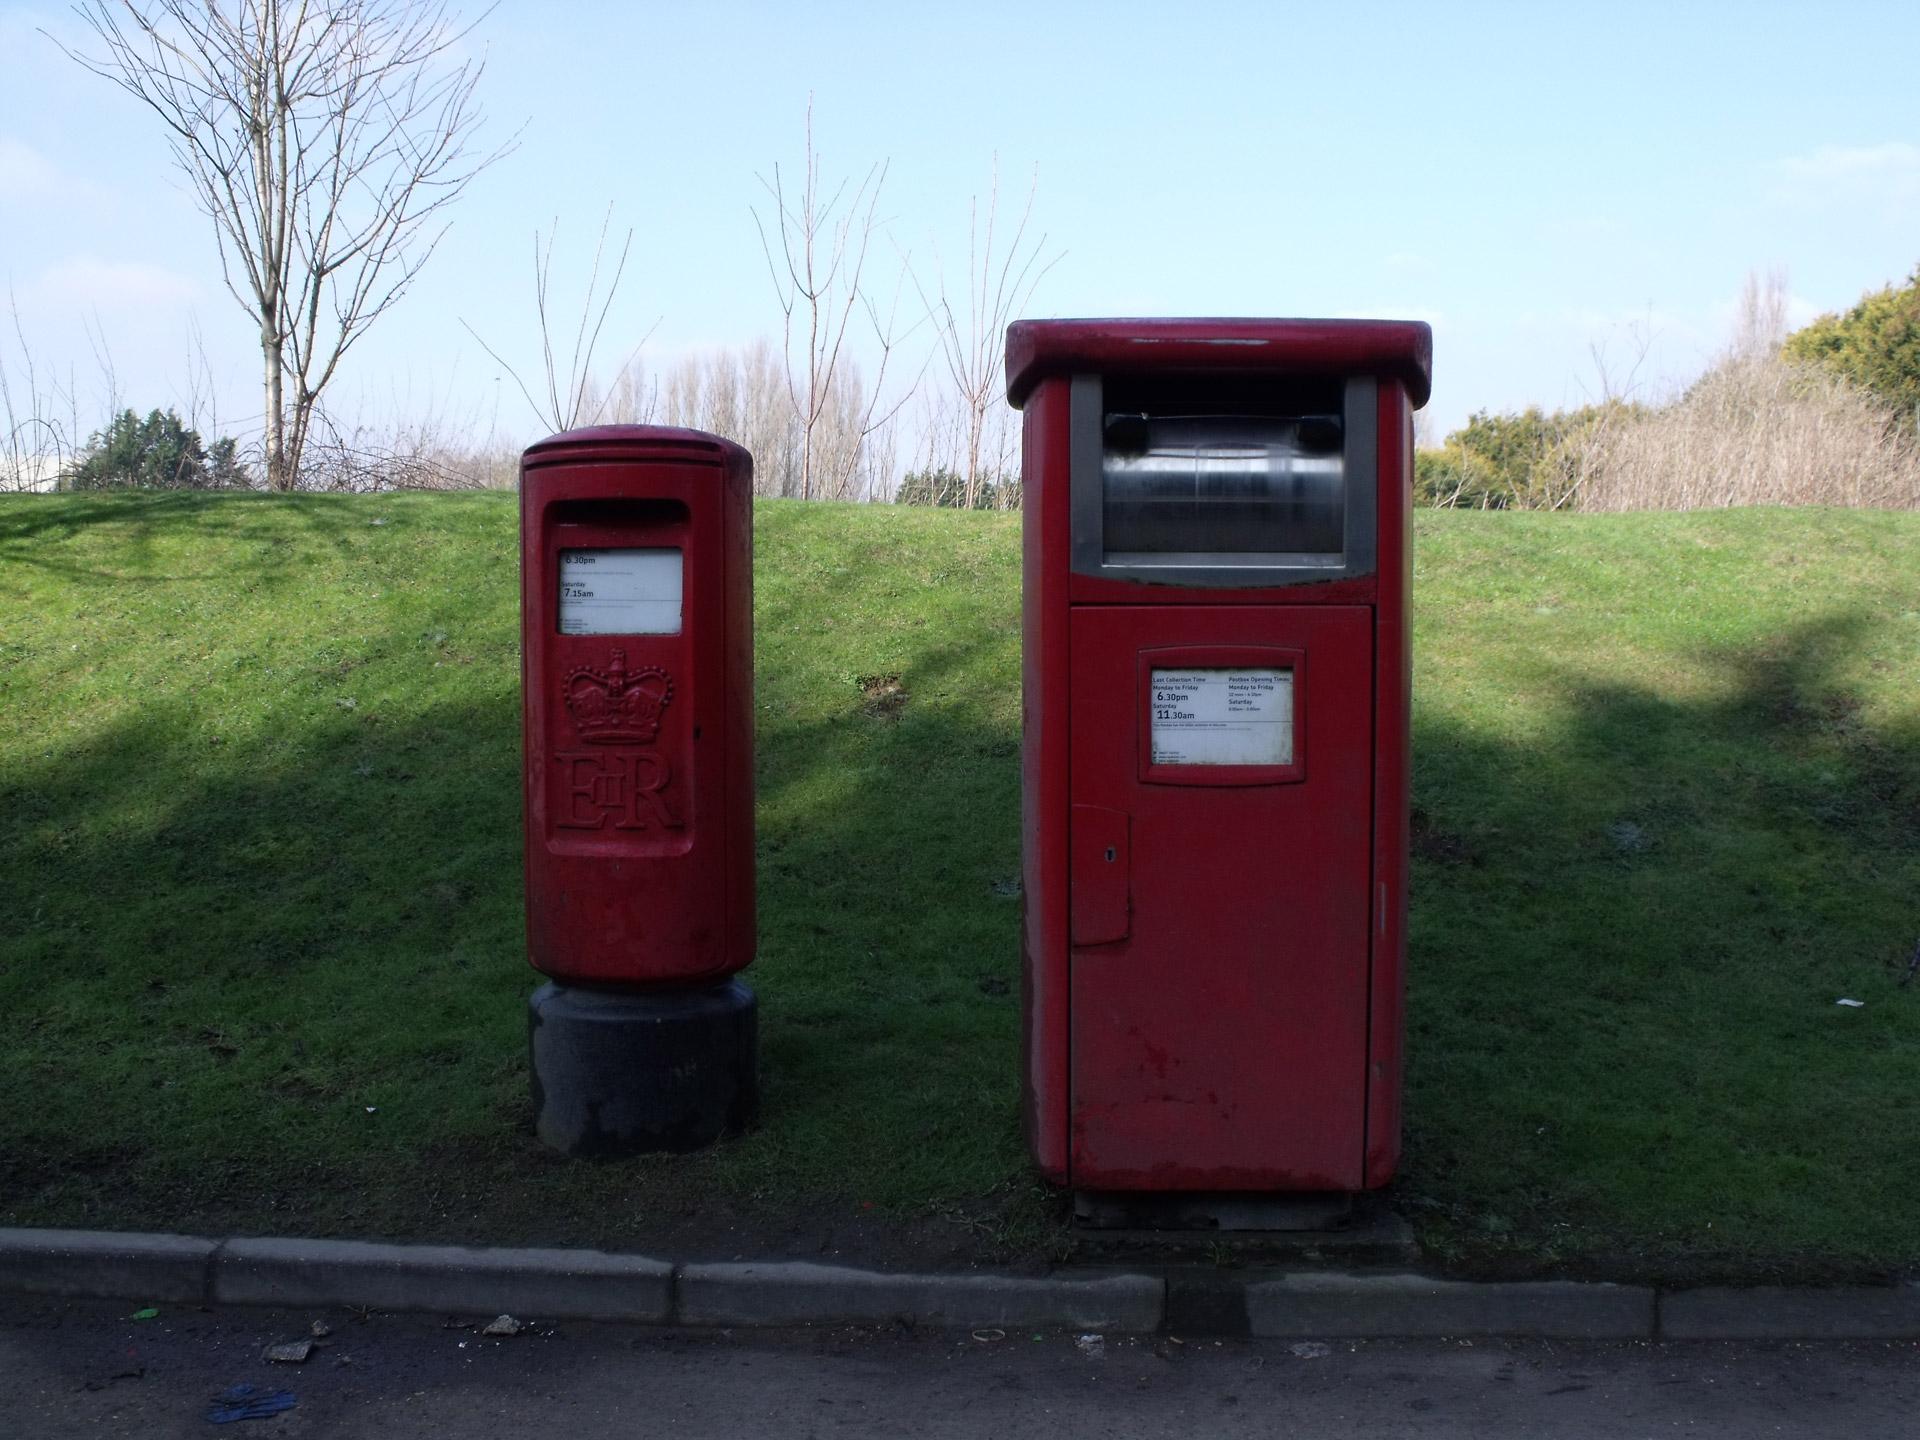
x: 618, y: 706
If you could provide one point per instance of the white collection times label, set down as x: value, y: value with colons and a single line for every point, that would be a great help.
x: 620, y: 592
x: 1222, y: 717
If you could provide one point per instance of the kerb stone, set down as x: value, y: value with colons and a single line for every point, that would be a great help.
x: 449, y: 1279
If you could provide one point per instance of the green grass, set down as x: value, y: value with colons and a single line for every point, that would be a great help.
x: 260, y: 945
x: 1668, y: 812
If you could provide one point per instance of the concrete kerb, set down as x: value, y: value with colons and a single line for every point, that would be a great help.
x: 592, y: 1285
x: 103, y: 1265
x: 800, y: 1293
x: 448, y: 1279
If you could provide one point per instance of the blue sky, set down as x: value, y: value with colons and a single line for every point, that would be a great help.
x: 1540, y: 182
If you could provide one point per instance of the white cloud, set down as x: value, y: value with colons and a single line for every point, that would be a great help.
x: 1861, y: 172
x: 24, y: 171
x: 110, y: 285
x: 1801, y: 312
x: 1635, y: 322
x: 28, y: 178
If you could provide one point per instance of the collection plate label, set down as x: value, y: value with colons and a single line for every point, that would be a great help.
x: 620, y: 592
x: 1223, y: 717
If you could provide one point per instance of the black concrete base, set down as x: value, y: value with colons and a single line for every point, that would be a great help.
x: 631, y: 1072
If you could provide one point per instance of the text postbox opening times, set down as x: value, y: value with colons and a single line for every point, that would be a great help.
x: 1222, y: 717
x: 620, y: 592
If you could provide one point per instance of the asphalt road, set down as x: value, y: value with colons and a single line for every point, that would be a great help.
x: 72, y: 1369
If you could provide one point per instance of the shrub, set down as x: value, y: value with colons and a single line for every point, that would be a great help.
x: 157, y: 453
x: 1454, y: 477
x: 1875, y: 345
x: 1528, y: 460
x: 1758, y: 430
x: 948, y: 488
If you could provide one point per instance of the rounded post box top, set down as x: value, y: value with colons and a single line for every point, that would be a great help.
x: 1402, y: 349
x: 631, y: 442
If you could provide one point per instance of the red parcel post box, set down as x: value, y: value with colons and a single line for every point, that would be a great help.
x: 636, y: 611
x: 1215, y: 753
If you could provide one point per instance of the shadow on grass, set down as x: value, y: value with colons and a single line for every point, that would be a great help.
x: 32, y: 527
x: 276, y: 980
x: 1628, y: 941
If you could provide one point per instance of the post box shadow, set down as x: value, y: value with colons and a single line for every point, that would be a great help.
x: 270, y: 934
x: 245, y: 942
x: 146, y: 521
x: 1627, y: 931
x: 239, y: 938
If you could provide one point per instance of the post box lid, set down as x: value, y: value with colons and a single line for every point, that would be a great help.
x: 1402, y: 349
x: 630, y: 442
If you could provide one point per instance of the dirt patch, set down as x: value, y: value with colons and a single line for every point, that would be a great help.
x: 882, y: 696
x: 515, y: 1192
x: 1438, y: 846
x: 1841, y: 712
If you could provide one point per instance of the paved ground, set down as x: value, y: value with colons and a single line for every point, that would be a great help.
x: 86, y: 1368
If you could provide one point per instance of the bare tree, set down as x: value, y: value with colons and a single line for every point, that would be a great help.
x: 397, y: 440
x: 632, y: 397
x: 971, y: 336
x: 323, y: 138
x: 741, y: 394
x: 1578, y: 451
x: 574, y: 397
x: 818, y: 279
x: 39, y: 419
x: 1760, y: 324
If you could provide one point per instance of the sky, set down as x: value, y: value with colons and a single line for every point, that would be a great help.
x: 1571, y: 194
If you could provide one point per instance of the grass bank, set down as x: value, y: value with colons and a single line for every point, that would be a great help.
x: 260, y: 917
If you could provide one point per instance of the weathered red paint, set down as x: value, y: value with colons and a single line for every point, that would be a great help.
x: 1213, y: 963
x: 1044, y: 753
x: 1400, y: 349
x: 638, y: 749
x: 1392, y: 782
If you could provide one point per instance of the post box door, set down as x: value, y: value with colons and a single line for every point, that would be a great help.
x: 1220, y: 877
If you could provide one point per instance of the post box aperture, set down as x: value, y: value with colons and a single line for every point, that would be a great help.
x: 1215, y: 754
x: 1241, y: 485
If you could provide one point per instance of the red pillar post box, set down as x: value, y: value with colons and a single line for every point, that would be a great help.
x: 636, y: 611
x: 1215, y: 755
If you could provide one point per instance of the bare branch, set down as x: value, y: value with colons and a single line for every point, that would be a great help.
x: 324, y: 138
x: 1000, y: 280
x: 567, y: 396
x: 818, y: 270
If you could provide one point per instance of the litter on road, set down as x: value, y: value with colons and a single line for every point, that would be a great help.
x: 248, y: 1402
